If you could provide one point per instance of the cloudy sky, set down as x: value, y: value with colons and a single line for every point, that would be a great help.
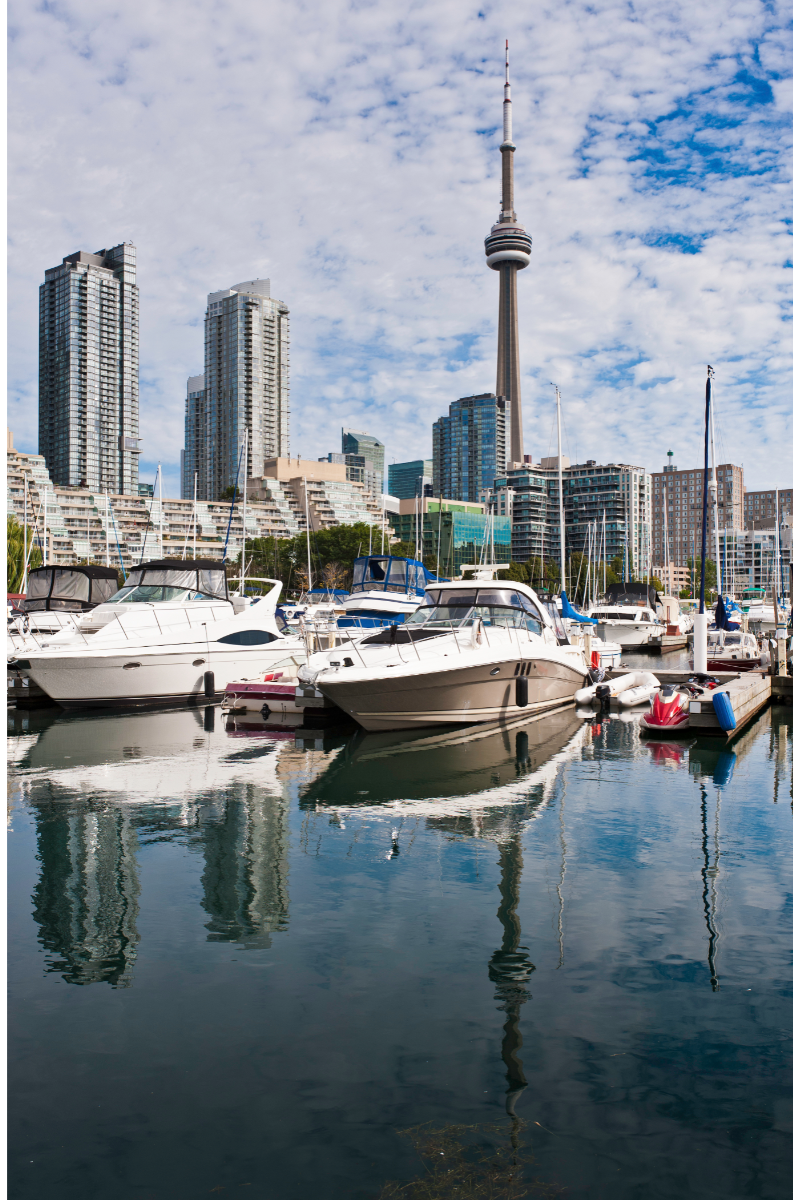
x: 348, y: 152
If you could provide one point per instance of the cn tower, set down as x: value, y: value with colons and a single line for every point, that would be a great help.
x: 508, y: 250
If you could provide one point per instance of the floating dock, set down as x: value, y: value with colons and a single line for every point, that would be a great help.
x: 749, y: 692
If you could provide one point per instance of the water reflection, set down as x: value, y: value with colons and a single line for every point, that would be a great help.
x: 86, y: 900
x: 245, y: 877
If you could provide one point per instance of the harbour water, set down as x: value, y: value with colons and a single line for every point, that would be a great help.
x: 546, y: 960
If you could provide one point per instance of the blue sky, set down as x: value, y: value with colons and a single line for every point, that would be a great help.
x: 348, y: 152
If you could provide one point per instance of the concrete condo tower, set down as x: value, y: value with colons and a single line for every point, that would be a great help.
x: 508, y: 250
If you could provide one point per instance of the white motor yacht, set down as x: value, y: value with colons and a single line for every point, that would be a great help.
x: 161, y: 651
x: 477, y: 650
x: 627, y: 614
x: 734, y: 651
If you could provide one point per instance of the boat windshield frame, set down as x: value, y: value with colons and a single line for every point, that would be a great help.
x: 461, y: 616
x: 127, y: 595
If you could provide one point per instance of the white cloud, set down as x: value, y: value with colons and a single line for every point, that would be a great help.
x: 350, y: 154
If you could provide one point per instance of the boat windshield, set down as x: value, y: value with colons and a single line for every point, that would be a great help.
x: 153, y: 593
x: 733, y: 640
x: 455, y: 616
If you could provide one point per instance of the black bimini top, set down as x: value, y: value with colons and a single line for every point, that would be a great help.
x: 632, y: 593
x: 69, y: 588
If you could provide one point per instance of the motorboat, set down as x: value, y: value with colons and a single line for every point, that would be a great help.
x: 477, y: 650
x: 385, y: 590
x: 627, y: 614
x: 734, y: 651
x: 161, y: 651
x: 56, y: 600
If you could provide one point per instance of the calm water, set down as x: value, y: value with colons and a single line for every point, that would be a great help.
x: 241, y: 966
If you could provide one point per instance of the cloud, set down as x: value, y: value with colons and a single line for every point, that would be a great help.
x: 349, y: 153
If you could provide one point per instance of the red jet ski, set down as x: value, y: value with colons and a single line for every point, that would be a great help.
x: 669, y: 708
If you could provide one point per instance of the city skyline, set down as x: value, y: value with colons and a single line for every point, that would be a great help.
x: 657, y: 211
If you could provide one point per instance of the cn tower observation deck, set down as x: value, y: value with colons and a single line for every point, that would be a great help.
x: 508, y: 250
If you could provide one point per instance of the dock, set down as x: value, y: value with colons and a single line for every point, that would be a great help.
x: 749, y: 693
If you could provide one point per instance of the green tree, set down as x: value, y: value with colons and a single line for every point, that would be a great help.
x: 15, y: 562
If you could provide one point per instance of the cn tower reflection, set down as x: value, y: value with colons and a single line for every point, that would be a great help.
x: 510, y: 968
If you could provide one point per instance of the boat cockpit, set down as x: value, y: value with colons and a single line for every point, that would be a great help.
x: 184, y: 582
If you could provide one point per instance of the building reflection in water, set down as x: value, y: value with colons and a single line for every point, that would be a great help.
x: 86, y: 902
x: 246, y: 873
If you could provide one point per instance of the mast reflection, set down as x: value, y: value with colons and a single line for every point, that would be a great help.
x: 86, y: 900
x: 510, y: 968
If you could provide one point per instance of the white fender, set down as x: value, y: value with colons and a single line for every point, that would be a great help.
x: 622, y: 683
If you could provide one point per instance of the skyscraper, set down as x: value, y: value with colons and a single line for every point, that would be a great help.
x: 354, y: 441
x: 246, y: 387
x: 508, y: 250
x: 469, y: 447
x: 410, y: 479
x: 195, y: 435
x: 89, y: 370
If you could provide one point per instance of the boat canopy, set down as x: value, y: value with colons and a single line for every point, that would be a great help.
x: 205, y: 575
x: 74, y: 589
x: 385, y: 573
x: 641, y: 594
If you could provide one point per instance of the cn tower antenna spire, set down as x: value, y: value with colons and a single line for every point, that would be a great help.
x: 508, y: 250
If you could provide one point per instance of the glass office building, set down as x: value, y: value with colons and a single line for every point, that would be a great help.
x: 373, y: 452
x: 410, y: 479
x: 469, y: 447
x: 461, y: 533
x: 89, y: 371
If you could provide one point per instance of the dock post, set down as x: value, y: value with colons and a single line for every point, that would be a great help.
x: 587, y: 645
x: 780, y: 637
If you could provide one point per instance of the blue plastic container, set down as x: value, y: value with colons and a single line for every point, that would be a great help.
x: 724, y: 710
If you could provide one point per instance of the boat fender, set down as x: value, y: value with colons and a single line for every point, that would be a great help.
x: 265, y: 711
x: 208, y: 720
x: 724, y: 710
x: 208, y: 684
x: 522, y: 691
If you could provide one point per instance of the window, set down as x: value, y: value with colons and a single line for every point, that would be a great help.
x: 248, y: 637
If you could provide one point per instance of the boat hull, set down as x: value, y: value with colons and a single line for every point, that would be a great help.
x: 629, y: 635
x: 467, y: 694
x: 159, y: 678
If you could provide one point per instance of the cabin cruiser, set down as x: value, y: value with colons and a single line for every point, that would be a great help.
x: 56, y: 599
x: 385, y: 590
x: 477, y: 650
x: 733, y: 650
x: 627, y: 614
x: 162, y: 650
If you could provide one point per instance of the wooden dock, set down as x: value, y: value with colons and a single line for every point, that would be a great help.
x: 749, y: 692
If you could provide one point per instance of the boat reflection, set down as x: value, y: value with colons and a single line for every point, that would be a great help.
x: 421, y: 771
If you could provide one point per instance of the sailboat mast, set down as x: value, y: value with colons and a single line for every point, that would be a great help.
x: 562, y: 531
x: 778, y: 570
x: 308, y: 533
x: 714, y: 485
x: 700, y: 629
x: 160, y: 517
x: 244, y: 516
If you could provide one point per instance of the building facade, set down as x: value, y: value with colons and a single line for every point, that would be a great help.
x: 469, y: 447
x: 246, y: 389
x: 89, y: 370
x: 611, y: 503
x: 678, y: 511
x: 355, y: 442
x: 759, y: 508
x: 195, y: 435
x: 452, y: 533
x: 410, y: 479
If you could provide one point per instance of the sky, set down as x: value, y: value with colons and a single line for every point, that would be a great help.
x: 349, y: 153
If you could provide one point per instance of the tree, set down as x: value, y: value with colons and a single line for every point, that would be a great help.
x: 228, y: 493
x: 15, y: 562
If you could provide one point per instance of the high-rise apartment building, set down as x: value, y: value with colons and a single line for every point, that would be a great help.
x: 469, y: 447
x: 410, y: 479
x: 759, y: 508
x: 246, y: 389
x: 195, y: 434
x: 678, y: 511
x: 373, y: 452
x: 610, y: 502
x: 89, y: 370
